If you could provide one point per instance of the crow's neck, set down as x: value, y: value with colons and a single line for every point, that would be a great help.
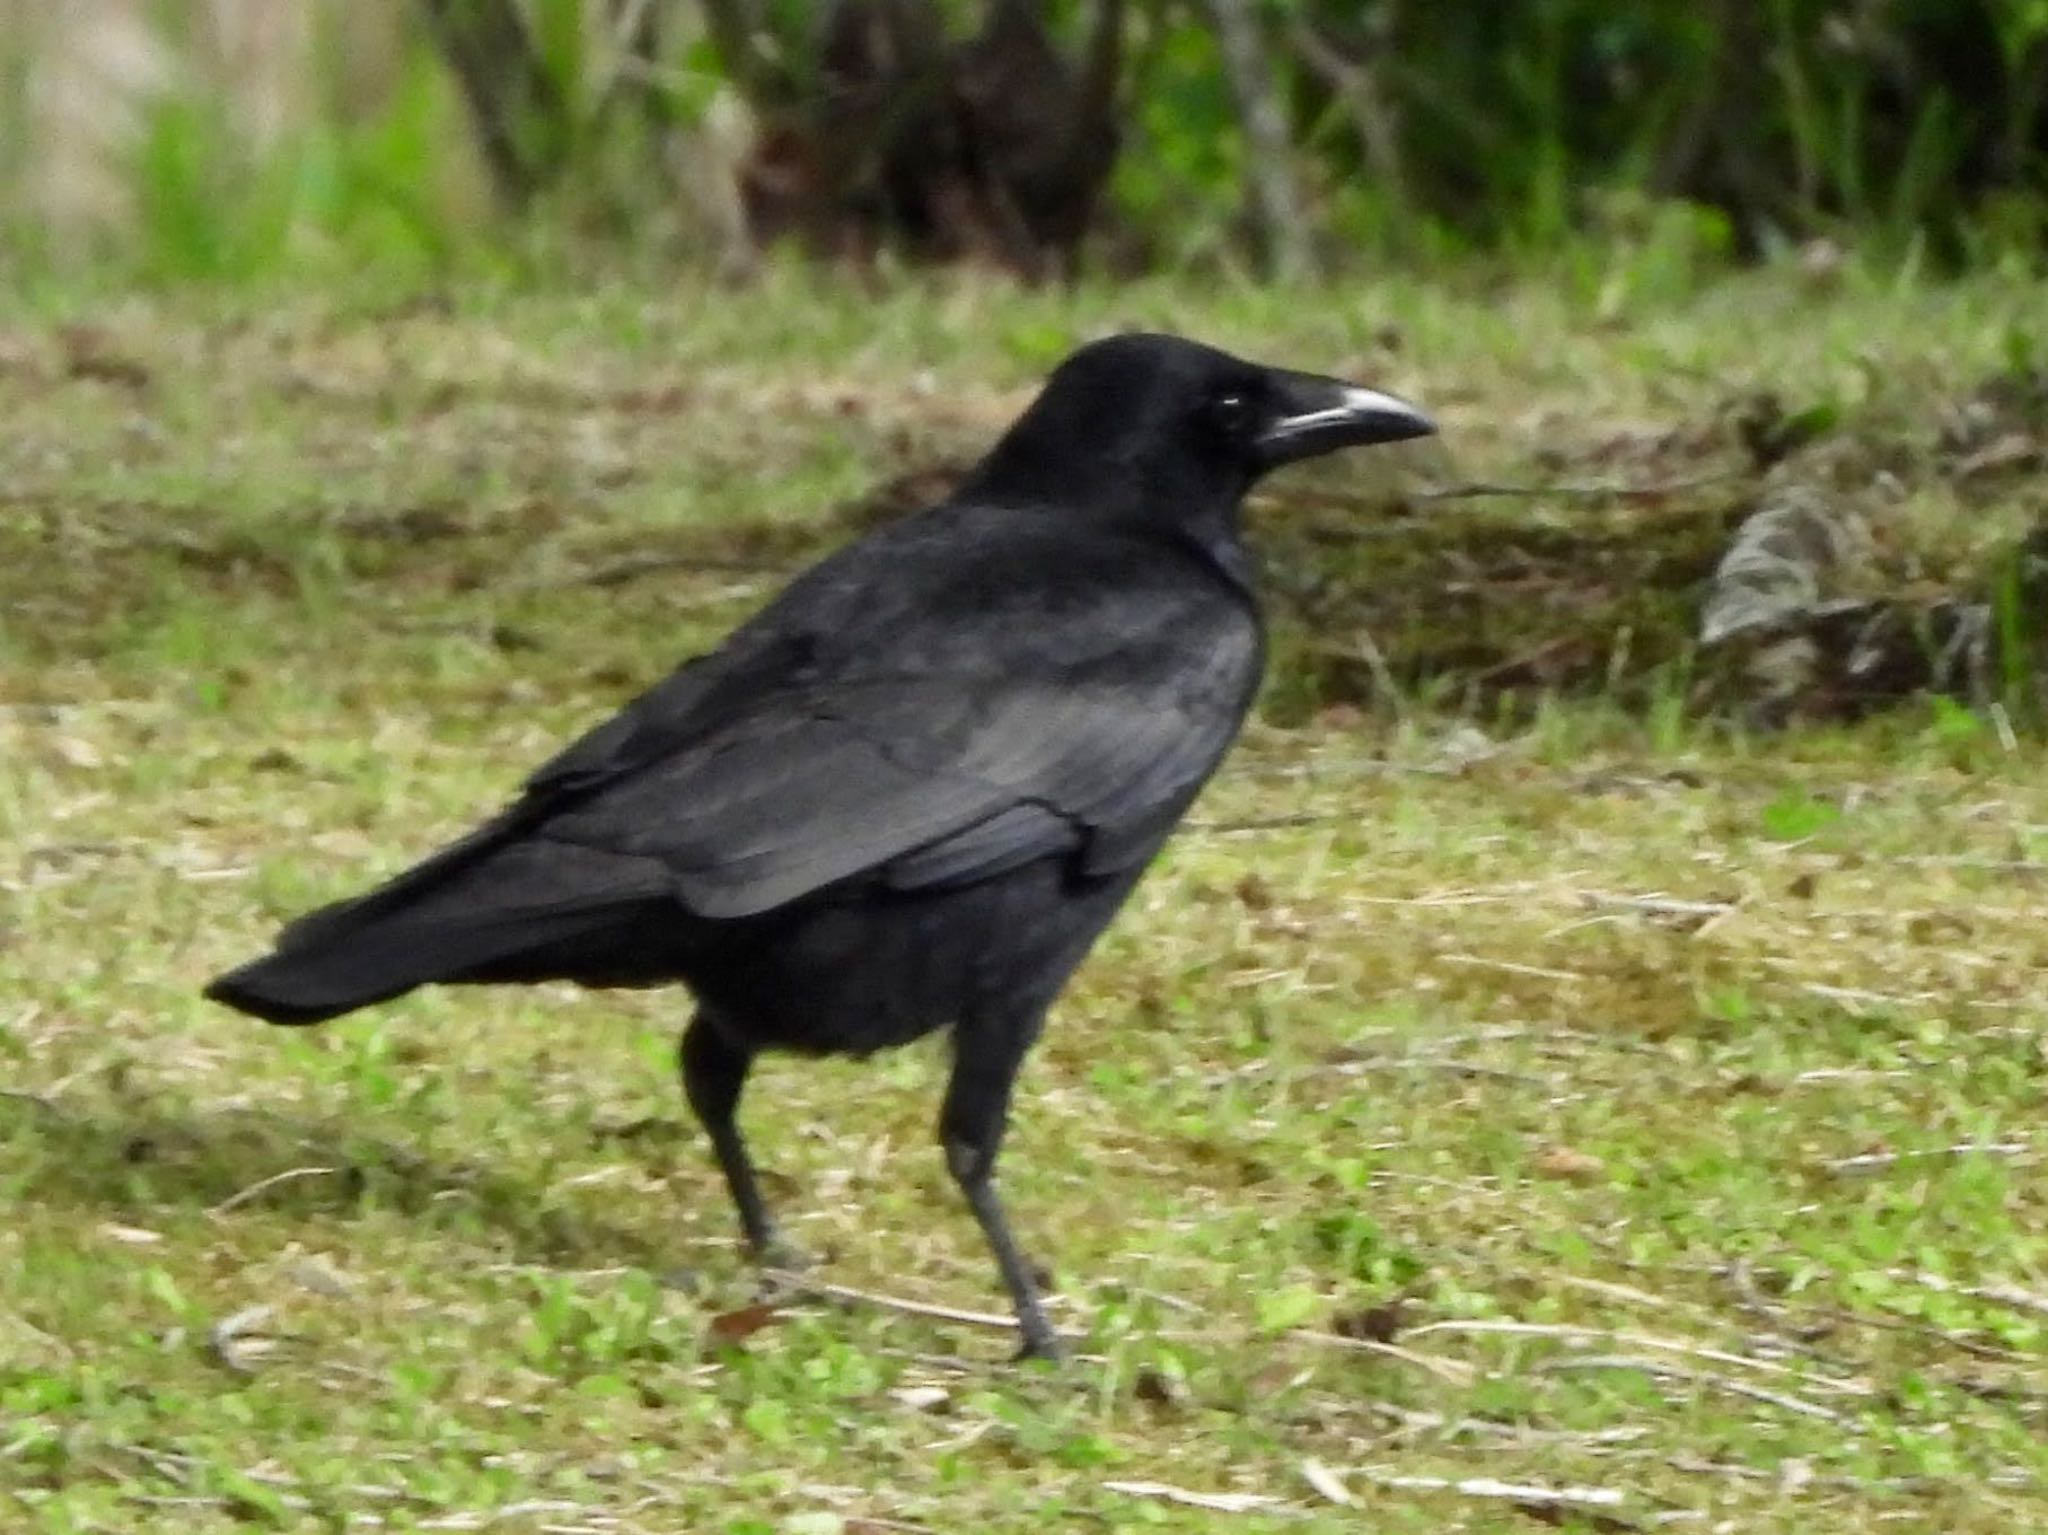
x: 1194, y: 513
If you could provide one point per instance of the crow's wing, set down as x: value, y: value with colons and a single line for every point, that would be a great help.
x: 926, y: 778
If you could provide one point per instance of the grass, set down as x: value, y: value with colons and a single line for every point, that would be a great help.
x: 1566, y: 1096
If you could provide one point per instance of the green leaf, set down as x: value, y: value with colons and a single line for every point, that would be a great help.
x: 767, y: 1419
x: 1288, y: 1308
x: 1797, y: 815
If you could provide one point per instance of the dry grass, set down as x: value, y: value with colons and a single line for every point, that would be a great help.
x: 1612, y: 1121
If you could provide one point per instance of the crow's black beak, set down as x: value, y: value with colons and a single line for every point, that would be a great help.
x: 1319, y: 415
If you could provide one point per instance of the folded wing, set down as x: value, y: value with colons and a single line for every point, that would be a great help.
x: 920, y: 781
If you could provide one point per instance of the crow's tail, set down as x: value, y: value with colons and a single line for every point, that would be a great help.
x: 474, y: 912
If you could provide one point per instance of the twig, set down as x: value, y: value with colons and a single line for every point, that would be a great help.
x: 1666, y: 1368
x: 1629, y: 1293
x: 1846, y: 1074
x: 1271, y: 822
x: 1382, y: 1175
x: 263, y: 1186
x: 1998, y: 1292
x: 1486, y: 1487
x: 1969, y: 861
x: 1694, y: 1465
x: 1954, y: 1340
x: 1456, y: 1371
x: 1855, y: 996
x: 1500, y: 897
x: 1869, y: 1160
x: 1658, y: 904
x: 1574, y: 1334
x: 1431, y: 1063
x: 1520, y: 1433
x: 20, y: 1323
x: 626, y: 28
x: 1213, y: 1502
x: 1357, y: 82
x: 1483, y: 489
x: 630, y: 567
x: 847, y: 1296
x: 1382, y: 674
x: 1510, y: 967
x: 479, y: 1519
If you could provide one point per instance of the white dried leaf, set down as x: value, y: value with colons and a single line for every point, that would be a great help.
x: 1326, y: 1482
x: 1777, y: 566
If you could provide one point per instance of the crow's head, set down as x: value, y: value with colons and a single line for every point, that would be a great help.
x: 1160, y: 426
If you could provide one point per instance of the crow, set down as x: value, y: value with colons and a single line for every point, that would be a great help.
x: 912, y: 790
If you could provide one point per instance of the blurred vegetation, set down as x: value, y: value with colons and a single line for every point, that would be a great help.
x: 1693, y: 136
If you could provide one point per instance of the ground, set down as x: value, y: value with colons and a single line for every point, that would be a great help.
x: 1502, y: 1108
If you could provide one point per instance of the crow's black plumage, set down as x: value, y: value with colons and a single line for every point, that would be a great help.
x: 909, y: 793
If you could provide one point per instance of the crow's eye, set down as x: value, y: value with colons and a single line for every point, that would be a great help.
x: 1231, y: 416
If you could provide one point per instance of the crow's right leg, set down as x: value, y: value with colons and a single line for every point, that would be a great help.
x: 987, y: 1053
x: 714, y: 1071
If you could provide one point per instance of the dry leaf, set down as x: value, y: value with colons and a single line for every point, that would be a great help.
x: 1379, y: 1324
x: 239, y: 1339
x: 1777, y: 566
x: 733, y: 1326
x: 78, y: 752
x: 1568, y: 1162
x: 1163, y: 1390
x: 321, y: 1277
x: 2014, y: 450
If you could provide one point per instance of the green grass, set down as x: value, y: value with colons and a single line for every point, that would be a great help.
x: 1547, y: 1057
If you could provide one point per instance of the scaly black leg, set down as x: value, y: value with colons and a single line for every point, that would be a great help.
x: 714, y: 1072
x: 971, y: 1130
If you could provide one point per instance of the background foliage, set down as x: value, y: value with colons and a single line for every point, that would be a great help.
x: 199, y: 138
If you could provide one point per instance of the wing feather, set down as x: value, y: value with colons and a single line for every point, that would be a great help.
x: 905, y: 781
x: 1072, y: 707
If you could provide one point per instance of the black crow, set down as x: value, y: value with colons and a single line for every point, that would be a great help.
x: 912, y: 790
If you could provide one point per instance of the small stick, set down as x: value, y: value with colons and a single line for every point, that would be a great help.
x: 1452, y: 1370
x: 846, y: 1295
x: 1510, y: 967
x: 1576, y: 1334
x: 1870, y: 1160
x: 1213, y: 1502
x: 2000, y: 1293
x: 1431, y: 1063
x: 1665, y: 1367
x: 1484, y: 490
x: 1658, y: 904
x: 1488, y: 1487
x: 263, y: 1186
x: 47, y: 1105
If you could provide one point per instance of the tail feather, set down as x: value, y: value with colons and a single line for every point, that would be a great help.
x: 500, y: 903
